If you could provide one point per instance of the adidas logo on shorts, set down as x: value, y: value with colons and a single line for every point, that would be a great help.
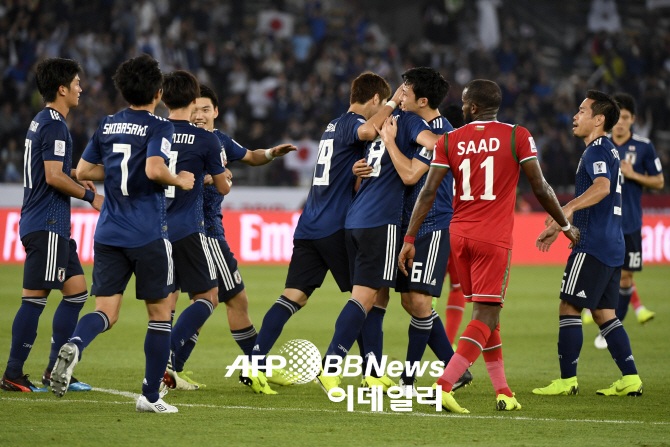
x: 581, y: 294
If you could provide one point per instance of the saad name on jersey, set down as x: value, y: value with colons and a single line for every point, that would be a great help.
x: 492, y: 146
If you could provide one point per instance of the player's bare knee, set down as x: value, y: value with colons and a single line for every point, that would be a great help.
x: 626, y: 279
x: 406, y: 302
x: 487, y: 313
x: 382, y: 299
x: 602, y: 316
x: 422, y: 305
x: 297, y: 296
x: 238, y: 303
x: 566, y: 308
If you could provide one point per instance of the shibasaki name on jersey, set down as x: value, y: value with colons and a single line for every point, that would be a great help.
x: 126, y: 128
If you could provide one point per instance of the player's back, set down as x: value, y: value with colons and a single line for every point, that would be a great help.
x: 379, y: 200
x: 198, y: 151
x: 600, y: 225
x: 485, y: 158
x: 439, y: 215
x: 640, y: 152
x: 333, y: 183
x: 44, y: 207
x: 133, y: 212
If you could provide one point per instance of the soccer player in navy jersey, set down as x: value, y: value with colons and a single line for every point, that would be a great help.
x: 592, y: 275
x: 232, y: 291
x: 373, y: 240
x: 641, y: 168
x: 319, y: 240
x: 198, y: 151
x: 424, y: 89
x: 51, y: 256
x: 128, y: 152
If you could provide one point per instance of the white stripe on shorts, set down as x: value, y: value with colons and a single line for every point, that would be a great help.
x: 432, y: 256
x: 168, y: 252
x: 389, y: 266
x: 221, y: 264
x: 52, y: 257
x: 574, y: 273
x: 208, y: 256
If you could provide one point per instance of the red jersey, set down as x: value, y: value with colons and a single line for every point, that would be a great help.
x: 485, y: 158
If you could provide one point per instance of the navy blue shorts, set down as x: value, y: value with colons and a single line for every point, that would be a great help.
x: 373, y: 255
x: 151, y: 264
x: 311, y: 260
x: 429, y: 267
x: 633, y: 260
x: 228, y: 275
x: 193, y: 264
x: 588, y: 283
x: 50, y: 260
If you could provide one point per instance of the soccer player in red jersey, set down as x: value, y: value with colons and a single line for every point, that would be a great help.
x: 485, y: 157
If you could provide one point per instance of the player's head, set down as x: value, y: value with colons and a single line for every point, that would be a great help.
x: 423, y: 87
x: 599, y: 111
x: 139, y: 80
x: 626, y: 115
x: 480, y: 97
x: 59, y: 78
x: 370, y: 90
x: 180, y: 89
x: 206, y: 108
x: 453, y: 114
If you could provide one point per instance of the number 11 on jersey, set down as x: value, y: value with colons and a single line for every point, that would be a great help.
x: 487, y: 165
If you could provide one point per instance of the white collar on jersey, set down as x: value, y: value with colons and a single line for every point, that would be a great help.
x: 475, y: 122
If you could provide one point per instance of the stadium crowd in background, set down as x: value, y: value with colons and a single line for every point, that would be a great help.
x: 282, y: 68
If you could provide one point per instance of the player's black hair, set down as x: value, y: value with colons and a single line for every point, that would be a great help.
x: 626, y: 102
x: 484, y: 93
x: 180, y: 88
x: 427, y: 83
x: 604, y: 104
x: 54, y: 72
x: 139, y: 79
x: 366, y: 86
x: 206, y: 92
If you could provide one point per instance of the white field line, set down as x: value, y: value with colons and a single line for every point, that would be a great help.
x: 316, y: 410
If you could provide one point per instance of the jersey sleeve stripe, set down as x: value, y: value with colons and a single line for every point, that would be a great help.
x: 528, y: 159
x: 514, y: 143
x: 440, y: 165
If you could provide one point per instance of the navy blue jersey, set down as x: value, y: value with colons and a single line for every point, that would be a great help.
x: 333, y: 183
x: 133, y: 213
x: 439, y: 216
x: 379, y: 200
x: 641, y: 154
x: 197, y: 151
x: 600, y: 224
x: 44, y: 207
x: 212, y: 200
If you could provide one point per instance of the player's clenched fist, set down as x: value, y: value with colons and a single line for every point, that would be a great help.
x: 406, y: 255
x: 186, y: 180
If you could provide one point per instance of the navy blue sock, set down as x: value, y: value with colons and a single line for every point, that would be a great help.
x: 172, y: 318
x: 24, y: 332
x: 89, y: 327
x: 361, y: 348
x: 624, y: 301
x: 438, y: 341
x: 246, y: 338
x: 570, y: 340
x: 156, y: 353
x: 347, y: 328
x: 65, y: 320
x: 273, y: 324
x: 419, y: 332
x: 373, y: 335
x: 184, y: 352
x: 619, y: 346
x: 189, y: 322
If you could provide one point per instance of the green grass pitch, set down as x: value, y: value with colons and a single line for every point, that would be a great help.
x: 227, y: 413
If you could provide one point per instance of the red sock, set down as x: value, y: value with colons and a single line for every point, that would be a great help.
x: 635, y: 299
x: 454, y: 313
x: 472, y: 342
x: 493, y: 357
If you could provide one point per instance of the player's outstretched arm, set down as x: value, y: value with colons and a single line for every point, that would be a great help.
x: 56, y: 178
x: 223, y: 182
x: 596, y: 192
x: 410, y: 171
x: 264, y: 156
x: 159, y: 173
x: 423, y: 204
x: 545, y: 195
x: 369, y: 130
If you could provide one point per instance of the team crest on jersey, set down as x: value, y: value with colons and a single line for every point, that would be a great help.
x: 59, y: 148
x: 480, y: 127
x: 238, y: 277
x: 61, y: 274
x: 631, y: 147
x: 331, y: 127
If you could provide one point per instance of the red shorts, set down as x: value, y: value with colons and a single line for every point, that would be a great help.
x: 482, y: 268
x: 453, y: 274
